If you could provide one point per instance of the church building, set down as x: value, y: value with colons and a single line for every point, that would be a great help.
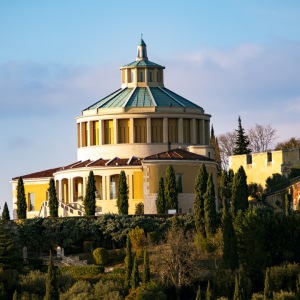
x: 140, y: 128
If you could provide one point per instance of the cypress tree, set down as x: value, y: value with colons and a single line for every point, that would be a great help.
x: 160, y: 200
x: 200, y: 189
x: 298, y: 287
x: 242, y: 142
x: 128, y: 262
x: 287, y: 204
x: 230, y: 176
x: 267, y: 289
x: 135, y: 277
x: 5, y: 213
x: 171, y: 192
x: 210, y: 208
x: 89, y: 201
x: 238, y: 291
x: 239, y: 198
x: 51, y: 282
x: 224, y: 179
x: 122, y: 201
x: 53, y: 202
x: 9, y: 254
x: 208, y: 295
x: 212, y: 134
x: 21, y: 200
x: 198, y: 297
x: 146, y: 268
x: 15, y: 297
x: 230, y: 256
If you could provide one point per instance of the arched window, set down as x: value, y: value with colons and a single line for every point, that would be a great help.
x: 139, y: 55
x: 132, y: 76
x: 141, y: 76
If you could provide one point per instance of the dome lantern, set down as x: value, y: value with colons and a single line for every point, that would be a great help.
x: 141, y: 50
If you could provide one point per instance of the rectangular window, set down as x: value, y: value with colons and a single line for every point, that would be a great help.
x: 84, y: 129
x: 249, y: 159
x: 95, y: 126
x: 31, y: 201
x: 78, y: 135
x: 173, y: 130
x: 132, y: 76
x: 123, y: 131
x: 150, y: 75
x: 113, y: 187
x: 269, y: 154
x: 179, y: 182
x: 141, y: 77
x: 108, y: 132
x: 157, y: 130
x: 140, y: 130
x: 186, y: 131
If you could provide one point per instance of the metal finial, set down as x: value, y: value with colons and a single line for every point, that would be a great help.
x: 141, y: 36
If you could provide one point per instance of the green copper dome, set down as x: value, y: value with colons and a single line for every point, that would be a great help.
x: 141, y: 43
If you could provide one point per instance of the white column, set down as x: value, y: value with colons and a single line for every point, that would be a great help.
x: 71, y: 188
x: 89, y: 133
x: 131, y: 131
x: 80, y: 134
x: 203, y: 132
x: 180, y: 130
x: 60, y: 189
x: 146, y: 76
x: 148, y: 130
x: 165, y: 130
x: 83, y: 186
x: 193, y: 131
x: 115, y: 131
x: 208, y: 132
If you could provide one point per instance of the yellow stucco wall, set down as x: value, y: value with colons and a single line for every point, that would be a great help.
x: 188, y: 170
x: 261, y: 169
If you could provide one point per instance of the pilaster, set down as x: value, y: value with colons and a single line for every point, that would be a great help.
x: 115, y: 131
x: 203, y: 132
x: 193, y: 131
x: 89, y: 133
x: 165, y: 130
x: 131, y: 130
x: 148, y: 130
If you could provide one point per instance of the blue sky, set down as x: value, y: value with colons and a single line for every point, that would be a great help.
x: 57, y: 57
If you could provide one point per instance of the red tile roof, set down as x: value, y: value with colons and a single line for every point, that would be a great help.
x: 41, y: 174
x: 177, y: 154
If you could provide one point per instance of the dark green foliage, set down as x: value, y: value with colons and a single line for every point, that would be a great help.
x: 53, y: 203
x: 242, y: 142
x: 224, y: 179
x: 200, y: 189
x: 252, y: 247
x: 292, y: 143
x: 198, y: 297
x: 225, y: 185
x: 135, y: 277
x: 238, y: 290
x: 122, y: 201
x: 139, y: 208
x: 230, y: 256
x: 208, y: 295
x: 298, y: 287
x: 51, y: 282
x: 212, y: 132
x: 5, y: 213
x: 171, y: 193
x: 21, y: 200
x: 15, y: 295
x: 9, y: 254
x: 87, y: 246
x: 210, y: 208
x: 128, y: 262
x: 160, y: 201
x: 288, y: 199
x: 176, y: 223
x: 230, y: 176
x: 146, y: 268
x: 255, y: 190
x: 101, y: 256
x: 89, y: 201
x: 295, y: 172
x: 81, y: 270
x: 239, y: 191
x: 275, y: 179
x: 267, y: 289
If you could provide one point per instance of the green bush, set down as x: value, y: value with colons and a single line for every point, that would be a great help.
x: 148, y: 291
x: 204, y: 244
x: 119, y: 271
x: 284, y: 296
x: 101, y: 256
x: 117, y: 255
x: 153, y: 237
x: 81, y: 271
x: 257, y: 296
x: 87, y: 246
x: 108, y: 290
x: 80, y: 290
x: 139, y: 254
x: 284, y: 277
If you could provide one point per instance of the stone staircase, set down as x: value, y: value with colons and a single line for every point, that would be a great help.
x: 74, y: 261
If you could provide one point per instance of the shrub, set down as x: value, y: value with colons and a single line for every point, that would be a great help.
x: 137, y: 237
x: 87, y: 246
x: 153, y: 237
x: 255, y: 190
x: 33, y: 283
x: 139, y: 208
x: 101, y: 256
x: 275, y: 179
x: 257, y: 296
x: 81, y: 271
x: 120, y: 254
x: 119, y: 271
x: 80, y: 290
x: 204, y: 244
x: 149, y: 291
x: 295, y: 172
x: 284, y: 296
x: 284, y: 277
x: 222, y: 298
x: 108, y: 290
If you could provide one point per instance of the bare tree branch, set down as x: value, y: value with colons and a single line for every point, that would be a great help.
x: 226, y: 145
x: 261, y: 137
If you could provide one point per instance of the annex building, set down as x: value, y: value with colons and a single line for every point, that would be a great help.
x: 140, y: 128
